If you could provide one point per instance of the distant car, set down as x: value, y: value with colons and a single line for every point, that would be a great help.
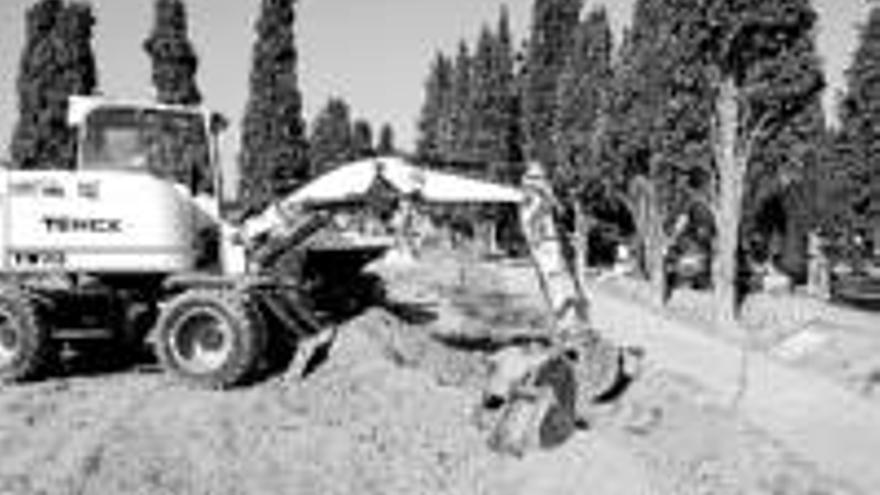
x: 860, y: 286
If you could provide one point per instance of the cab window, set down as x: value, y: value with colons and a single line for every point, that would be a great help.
x: 167, y: 144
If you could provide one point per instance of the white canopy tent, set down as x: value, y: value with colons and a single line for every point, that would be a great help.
x: 355, y: 179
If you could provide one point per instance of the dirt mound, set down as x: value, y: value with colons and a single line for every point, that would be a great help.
x: 358, y: 424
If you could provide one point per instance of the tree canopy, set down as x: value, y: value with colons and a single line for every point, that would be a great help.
x: 274, y: 151
x: 709, y: 110
x: 362, y: 139
x: 57, y: 61
x: 434, y: 118
x: 554, y: 23
x: 331, y: 137
x: 852, y: 186
x: 581, y: 111
x: 173, y: 57
x: 760, y: 65
x: 386, y: 144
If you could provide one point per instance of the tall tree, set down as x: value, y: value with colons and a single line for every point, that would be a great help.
x: 57, y: 62
x: 493, y: 118
x: 460, y: 137
x: 487, y: 138
x: 856, y: 179
x: 760, y: 64
x: 490, y: 116
x: 784, y: 172
x: 174, y: 66
x: 435, y: 113
x: 31, y: 139
x: 386, y: 141
x: 645, y: 131
x: 580, y: 124
x: 509, y: 93
x: 362, y: 139
x: 274, y: 151
x: 173, y: 57
x: 331, y: 138
x: 554, y: 23
x: 493, y: 115
x: 470, y: 111
x: 582, y: 95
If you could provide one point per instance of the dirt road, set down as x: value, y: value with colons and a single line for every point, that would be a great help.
x: 390, y: 411
x: 824, y: 423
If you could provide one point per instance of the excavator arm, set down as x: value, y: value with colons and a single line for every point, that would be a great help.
x: 289, y: 222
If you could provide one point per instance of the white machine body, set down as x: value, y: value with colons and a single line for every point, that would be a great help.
x: 97, y: 221
x: 120, y: 211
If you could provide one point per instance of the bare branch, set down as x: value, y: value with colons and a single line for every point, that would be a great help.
x: 757, y: 133
x: 627, y: 202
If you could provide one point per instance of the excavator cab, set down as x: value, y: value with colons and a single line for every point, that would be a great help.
x: 172, y: 143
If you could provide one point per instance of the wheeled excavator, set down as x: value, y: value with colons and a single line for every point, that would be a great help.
x: 131, y: 247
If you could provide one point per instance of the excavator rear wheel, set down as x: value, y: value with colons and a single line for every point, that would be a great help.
x: 210, y: 338
x: 25, y: 346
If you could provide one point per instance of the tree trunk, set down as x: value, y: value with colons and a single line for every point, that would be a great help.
x: 583, y: 225
x: 732, y: 160
x: 644, y: 219
x: 656, y: 244
x: 724, y: 262
x: 660, y: 288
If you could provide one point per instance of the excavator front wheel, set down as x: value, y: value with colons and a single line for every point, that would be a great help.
x: 210, y: 338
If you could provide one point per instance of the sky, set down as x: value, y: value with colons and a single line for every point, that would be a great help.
x: 373, y: 53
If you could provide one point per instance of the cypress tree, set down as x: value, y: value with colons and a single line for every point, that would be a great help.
x: 471, y: 111
x: 640, y: 80
x: 720, y: 109
x: 493, y: 117
x: 854, y: 188
x: 579, y: 125
x: 487, y: 139
x: 554, y: 23
x: 509, y: 118
x: 504, y: 48
x: 331, y: 137
x: 386, y: 141
x: 581, y: 109
x: 461, y: 116
x: 274, y: 151
x: 362, y: 139
x: 433, y: 124
x: 489, y: 120
x: 636, y: 98
x: 174, y: 67
x: 57, y: 62
x: 173, y: 57
x: 760, y: 63
x: 37, y: 62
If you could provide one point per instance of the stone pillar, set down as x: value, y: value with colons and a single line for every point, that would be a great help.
x: 818, y: 276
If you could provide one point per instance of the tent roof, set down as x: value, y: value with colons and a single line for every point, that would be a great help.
x: 356, y: 179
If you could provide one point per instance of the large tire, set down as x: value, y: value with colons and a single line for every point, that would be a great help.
x: 210, y: 338
x: 25, y: 345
